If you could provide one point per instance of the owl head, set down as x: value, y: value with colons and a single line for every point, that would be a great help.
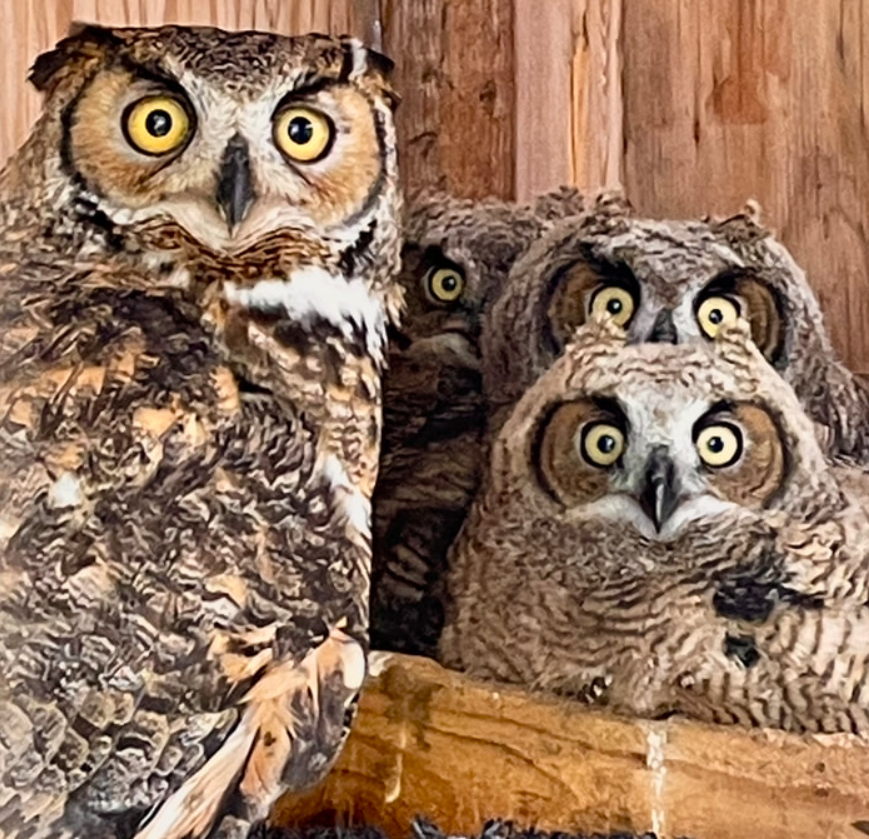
x: 228, y: 137
x: 672, y: 282
x: 456, y: 256
x: 657, y: 439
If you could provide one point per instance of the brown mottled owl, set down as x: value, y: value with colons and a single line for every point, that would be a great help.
x: 659, y: 532
x: 456, y: 256
x: 197, y: 246
x: 674, y: 281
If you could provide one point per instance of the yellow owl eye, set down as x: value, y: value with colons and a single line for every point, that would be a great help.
x: 602, y: 444
x: 719, y: 445
x: 303, y: 134
x: 715, y: 312
x: 444, y: 285
x: 156, y: 125
x: 615, y: 301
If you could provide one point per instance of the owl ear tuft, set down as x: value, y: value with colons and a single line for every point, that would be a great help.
x: 84, y: 41
x: 383, y: 65
x: 360, y: 59
x: 379, y: 62
x: 745, y: 226
x: 753, y: 211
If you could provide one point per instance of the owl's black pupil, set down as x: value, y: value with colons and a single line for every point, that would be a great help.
x: 607, y: 444
x: 614, y: 306
x: 716, y: 316
x: 300, y: 130
x: 716, y: 445
x: 158, y: 123
x: 449, y: 284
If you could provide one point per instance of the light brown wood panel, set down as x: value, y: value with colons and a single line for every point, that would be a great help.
x: 768, y: 99
x: 568, y: 94
x: 431, y: 742
x: 29, y: 27
x: 455, y: 73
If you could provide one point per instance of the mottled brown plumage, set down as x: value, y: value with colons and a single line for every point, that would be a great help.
x: 668, y: 281
x: 456, y: 256
x: 191, y: 342
x: 659, y: 532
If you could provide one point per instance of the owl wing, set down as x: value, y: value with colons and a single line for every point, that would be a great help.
x: 841, y: 403
x: 827, y: 558
x: 182, y: 598
x: 433, y: 418
x: 796, y: 662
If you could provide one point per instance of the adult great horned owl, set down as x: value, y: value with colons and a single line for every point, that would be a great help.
x: 197, y: 246
x: 659, y: 532
x: 456, y: 256
x: 674, y: 281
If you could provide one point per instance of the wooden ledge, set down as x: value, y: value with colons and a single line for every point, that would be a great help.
x: 428, y: 741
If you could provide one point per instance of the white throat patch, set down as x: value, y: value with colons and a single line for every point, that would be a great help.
x: 312, y: 293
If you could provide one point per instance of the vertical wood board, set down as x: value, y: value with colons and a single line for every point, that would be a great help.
x: 456, y: 76
x: 727, y: 100
x: 568, y: 94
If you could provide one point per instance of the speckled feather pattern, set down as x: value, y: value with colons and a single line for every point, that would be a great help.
x: 187, y: 455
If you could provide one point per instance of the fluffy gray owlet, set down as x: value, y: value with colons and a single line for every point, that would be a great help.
x: 197, y: 246
x: 456, y: 256
x: 674, y: 281
x: 658, y: 531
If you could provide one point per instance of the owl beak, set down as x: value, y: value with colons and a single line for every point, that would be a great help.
x: 660, y: 493
x: 664, y: 330
x: 235, y: 192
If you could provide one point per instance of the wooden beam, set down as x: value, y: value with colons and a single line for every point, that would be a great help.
x: 455, y: 72
x: 431, y: 742
x: 733, y: 99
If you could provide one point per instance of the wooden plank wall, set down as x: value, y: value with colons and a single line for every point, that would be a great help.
x: 693, y: 105
x: 697, y: 105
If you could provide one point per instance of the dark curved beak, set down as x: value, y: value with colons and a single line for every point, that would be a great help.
x: 664, y: 330
x: 659, y: 496
x: 235, y: 192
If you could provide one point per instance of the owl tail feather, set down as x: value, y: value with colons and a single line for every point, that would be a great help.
x: 289, y: 735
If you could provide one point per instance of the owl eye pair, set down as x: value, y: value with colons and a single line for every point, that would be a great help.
x: 444, y: 284
x: 159, y: 125
x: 718, y: 445
x: 713, y: 313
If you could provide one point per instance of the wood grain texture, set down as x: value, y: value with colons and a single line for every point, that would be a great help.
x: 429, y: 741
x: 568, y: 94
x: 455, y: 72
x: 733, y: 99
x: 29, y: 27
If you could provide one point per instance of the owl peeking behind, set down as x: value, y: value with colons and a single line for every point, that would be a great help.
x: 456, y: 257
